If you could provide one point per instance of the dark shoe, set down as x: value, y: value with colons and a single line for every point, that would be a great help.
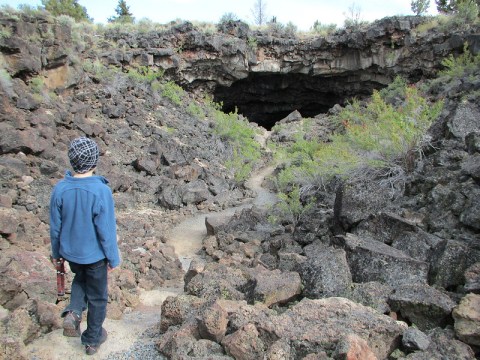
x: 92, y: 349
x: 71, y: 325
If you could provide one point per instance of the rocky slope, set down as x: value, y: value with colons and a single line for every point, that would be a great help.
x: 333, y: 288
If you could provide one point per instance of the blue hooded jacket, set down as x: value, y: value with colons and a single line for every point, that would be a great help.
x: 82, y: 221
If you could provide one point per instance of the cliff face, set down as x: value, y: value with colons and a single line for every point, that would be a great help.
x: 267, y: 77
x: 262, y: 74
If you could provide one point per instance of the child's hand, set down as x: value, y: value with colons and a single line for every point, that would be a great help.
x: 109, y: 268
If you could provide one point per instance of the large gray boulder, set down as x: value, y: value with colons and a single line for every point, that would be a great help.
x: 318, y: 325
x: 472, y: 278
x: 449, y: 263
x: 325, y: 273
x: 443, y: 345
x: 276, y: 287
x: 422, y: 305
x: 219, y: 281
x: 372, y: 294
x: 371, y: 260
x: 401, y: 234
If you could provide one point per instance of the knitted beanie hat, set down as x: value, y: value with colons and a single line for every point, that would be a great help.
x: 83, y: 154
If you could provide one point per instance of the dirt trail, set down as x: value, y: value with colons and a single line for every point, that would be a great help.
x: 127, y: 337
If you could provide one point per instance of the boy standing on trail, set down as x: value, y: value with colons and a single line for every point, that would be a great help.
x: 83, y: 232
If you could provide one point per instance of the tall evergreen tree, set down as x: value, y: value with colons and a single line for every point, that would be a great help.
x: 66, y: 7
x: 123, y: 13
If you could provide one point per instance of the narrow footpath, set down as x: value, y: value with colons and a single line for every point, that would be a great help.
x: 133, y: 337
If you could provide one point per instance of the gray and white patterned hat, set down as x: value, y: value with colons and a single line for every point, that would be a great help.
x: 83, y: 154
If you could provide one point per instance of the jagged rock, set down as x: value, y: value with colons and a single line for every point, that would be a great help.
x: 194, y: 192
x: 443, y: 345
x: 275, y: 287
x: 401, y: 234
x: 185, y: 172
x: 472, y: 141
x: 280, y: 350
x: 170, y: 197
x: 234, y: 28
x: 245, y: 220
x: 321, y: 323
x: 220, y: 281
x: 449, y: 263
x: 467, y: 319
x: 178, y: 341
x: 290, y: 261
x: 214, y: 224
x: 372, y: 294
x: 175, y: 310
x: 470, y: 216
x: 245, y: 343
x: 325, y: 273
x: 13, y: 348
x: 465, y: 120
x: 27, y: 141
x: 149, y: 165
x: 353, y: 347
x: 11, y: 293
x: 471, y: 167
x: 358, y: 204
x: 423, y: 305
x: 371, y: 260
x: 212, y: 324
x: 8, y: 221
x: 472, y: 278
x: 196, y: 267
x: 414, y: 339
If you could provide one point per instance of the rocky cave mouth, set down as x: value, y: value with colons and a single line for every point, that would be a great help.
x: 266, y: 98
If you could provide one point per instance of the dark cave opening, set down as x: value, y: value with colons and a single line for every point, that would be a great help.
x: 266, y: 98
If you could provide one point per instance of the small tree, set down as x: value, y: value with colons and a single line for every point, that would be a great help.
x: 124, y: 15
x: 259, y: 12
x: 419, y: 7
x: 227, y: 17
x: 354, y: 16
x: 323, y: 29
x: 66, y: 7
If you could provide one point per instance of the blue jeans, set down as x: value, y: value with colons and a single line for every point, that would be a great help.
x: 90, y: 291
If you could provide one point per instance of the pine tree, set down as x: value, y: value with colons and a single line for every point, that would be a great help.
x: 420, y: 7
x: 449, y: 6
x: 66, y: 7
x: 123, y: 13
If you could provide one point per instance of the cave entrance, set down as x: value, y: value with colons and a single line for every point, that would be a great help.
x: 266, y: 98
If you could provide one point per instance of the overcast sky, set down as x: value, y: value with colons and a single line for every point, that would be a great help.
x: 303, y: 13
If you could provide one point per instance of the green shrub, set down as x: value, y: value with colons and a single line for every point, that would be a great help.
x: 37, y: 85
x: 323, y: 29
x: 241, y: 136
x: 173, y: 92
x: 5, y: 32
x: 195, y: 110
x: 291, y: 207
x: 377, y: 138
x: 457, y: 67
x: 144, y: 74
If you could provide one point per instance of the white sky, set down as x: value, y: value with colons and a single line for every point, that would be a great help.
x: 303, y: 13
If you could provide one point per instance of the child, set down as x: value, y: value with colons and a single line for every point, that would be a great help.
x: 83, y: 232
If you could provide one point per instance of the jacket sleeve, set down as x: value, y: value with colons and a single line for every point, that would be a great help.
x: 106, y: 227
x: 55, y: 224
